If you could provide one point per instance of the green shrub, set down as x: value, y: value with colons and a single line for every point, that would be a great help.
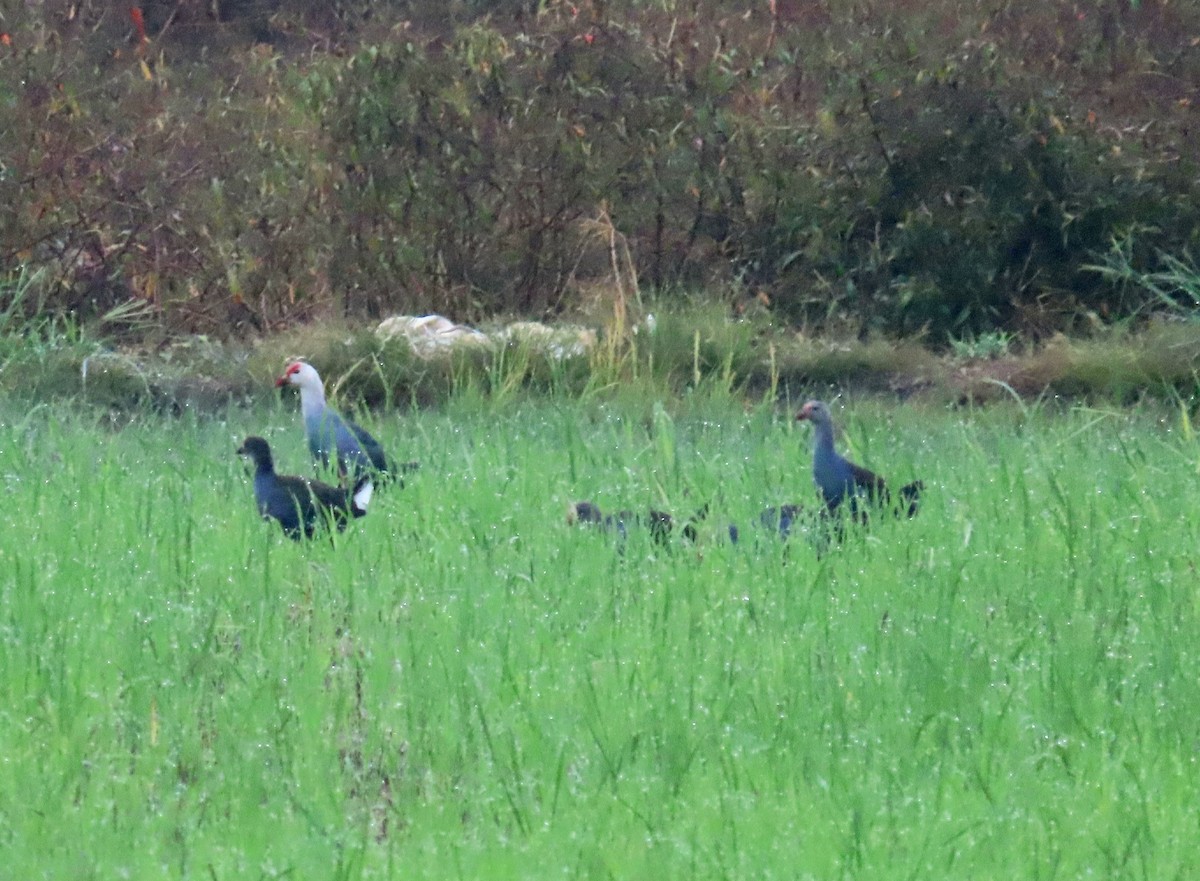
x: 942, y: 169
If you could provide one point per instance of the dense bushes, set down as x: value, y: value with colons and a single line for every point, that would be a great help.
x: 938, y: 168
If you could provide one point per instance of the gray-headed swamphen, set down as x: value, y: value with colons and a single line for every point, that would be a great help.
x: 841, y: 483
x: 840, y: 480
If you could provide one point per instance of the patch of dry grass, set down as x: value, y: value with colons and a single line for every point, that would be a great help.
x: 698, y: 346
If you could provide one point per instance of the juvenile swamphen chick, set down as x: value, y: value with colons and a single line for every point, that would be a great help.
x: 296, y: 502
x: 660, y: 523
x: 774, y: 520
x: 839, y: 479
x: 781, y: 519
x: 823, y: 523
x: 329, y: 432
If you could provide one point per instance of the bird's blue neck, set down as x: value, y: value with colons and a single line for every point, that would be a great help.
x: 264, y: 479
x: 830, y: 471
x: 823, y: 451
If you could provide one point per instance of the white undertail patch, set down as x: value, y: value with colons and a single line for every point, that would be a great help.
x: 362, y: 495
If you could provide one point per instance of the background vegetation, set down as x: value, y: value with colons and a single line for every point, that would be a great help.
x: 938, y: 167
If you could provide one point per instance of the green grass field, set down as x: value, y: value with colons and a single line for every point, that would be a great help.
x: 462, y: 686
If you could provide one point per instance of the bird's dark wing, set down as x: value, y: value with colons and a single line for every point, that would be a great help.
x: 333, y: 501
x: 867, y: 482
x: 290, y: 501
x: 369, y: 445
x: 327, y: 496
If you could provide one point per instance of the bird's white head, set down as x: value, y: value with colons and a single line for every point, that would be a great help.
x: 301, y: 373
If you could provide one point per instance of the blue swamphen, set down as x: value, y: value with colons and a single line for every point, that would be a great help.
x: 296, y: 502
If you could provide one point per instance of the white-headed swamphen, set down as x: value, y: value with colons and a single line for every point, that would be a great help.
x: 840, y: 480
x: 329, y: 432
x: 296, y: 502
